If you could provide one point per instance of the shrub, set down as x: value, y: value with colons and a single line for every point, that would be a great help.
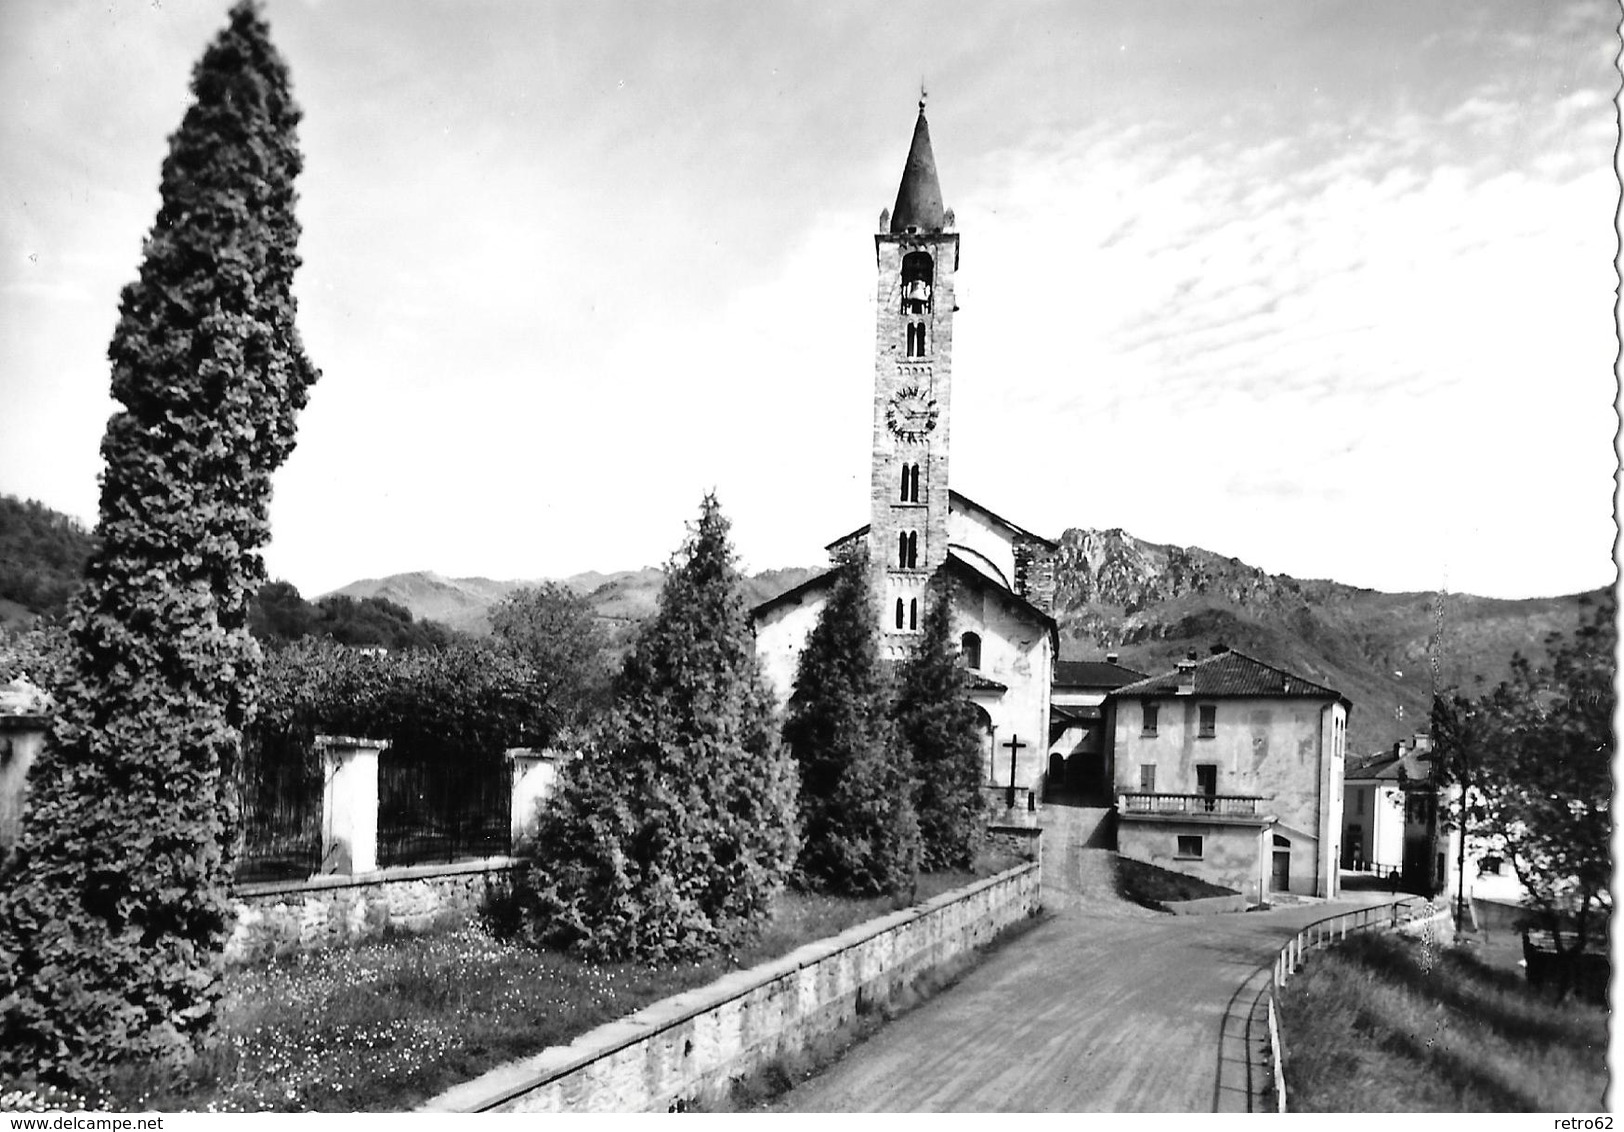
x: 937, y: 727
x: 669, y: 837
x: 861, y: 835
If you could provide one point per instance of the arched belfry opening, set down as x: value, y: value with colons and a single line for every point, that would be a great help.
x: 918, y: 274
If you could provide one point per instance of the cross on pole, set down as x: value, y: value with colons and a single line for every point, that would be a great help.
x: 1013, y: 745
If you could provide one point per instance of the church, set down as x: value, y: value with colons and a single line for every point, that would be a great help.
x: 1003, y: 581
x: 1249, y: 789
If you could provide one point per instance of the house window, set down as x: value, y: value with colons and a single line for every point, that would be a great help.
x: 1359, y: 801
x: 1209, y: 721
x: 1488, y: 867
x: 970, y: 649
x: 1150, y: 720
x: 1189, y: 847
x: 1147, y: 778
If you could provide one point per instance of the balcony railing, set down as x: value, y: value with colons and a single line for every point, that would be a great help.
x: 1218, y: 805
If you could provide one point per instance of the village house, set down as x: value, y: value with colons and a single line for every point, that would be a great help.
x: 1079, y: 747
x: 1231, y: 769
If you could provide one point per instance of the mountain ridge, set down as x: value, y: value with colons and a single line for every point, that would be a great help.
x: 1153, y: 603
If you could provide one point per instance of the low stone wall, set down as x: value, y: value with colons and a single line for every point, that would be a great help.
x: 1024, y: 841
x: 283, y: 917
x: 690, y: 1047
x: 1206, y: 906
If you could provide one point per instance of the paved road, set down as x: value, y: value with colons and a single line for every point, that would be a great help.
x: 1097, y: 1010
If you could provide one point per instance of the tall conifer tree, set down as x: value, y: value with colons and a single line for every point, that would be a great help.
x: 859, y: 831
x: 937, y: 726
x: 112, y: 922
x: 670, y: 837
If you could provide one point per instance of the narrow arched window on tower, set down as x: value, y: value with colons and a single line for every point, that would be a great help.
x: 902, y: 549
x: 913, y: 613
x: 905, y: 483
x: 899, y: 613
x: 910, y: 550
x: 913, y: 484
x: 916, y: 339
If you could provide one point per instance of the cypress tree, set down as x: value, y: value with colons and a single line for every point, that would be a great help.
x: 114, y: 917
x: 937, y: 725
x: 857, y: 817
x: 670, y: 837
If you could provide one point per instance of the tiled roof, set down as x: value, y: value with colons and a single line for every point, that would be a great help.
x: 980, y: 683
x: 1384, y: 766
x: 1093, y: 674
x: 1233, y: 674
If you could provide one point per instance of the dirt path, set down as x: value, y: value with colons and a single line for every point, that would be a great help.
x: 1098, y: 1010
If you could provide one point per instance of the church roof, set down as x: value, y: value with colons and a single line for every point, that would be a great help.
x: 1232, y: 674
x: 795, y: 593
x: 958, y: 501
x: 919, y: 196
x: 1093, y: 674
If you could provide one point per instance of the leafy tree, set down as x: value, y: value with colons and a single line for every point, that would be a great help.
x: 279, y: 613
x: 111, y: 928
x: 1545, y: 780
x: 42, y: 555
x: 860, y: 833
x: 670, y: 836
x: 556, y: 631
x: 938, y: 729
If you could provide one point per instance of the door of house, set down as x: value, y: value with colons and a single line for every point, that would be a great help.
x: 1206, y: 783
x: 1280, y: 881
x: 1353, y: 855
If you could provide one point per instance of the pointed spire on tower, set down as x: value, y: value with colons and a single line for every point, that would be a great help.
x: 919, y: 197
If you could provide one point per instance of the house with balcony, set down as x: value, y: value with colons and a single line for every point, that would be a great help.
x: 1231, y: 769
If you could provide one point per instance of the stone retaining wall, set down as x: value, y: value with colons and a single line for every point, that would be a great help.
x: 283, y: 917
x: 1206, y: 905
x: 690, y: 1048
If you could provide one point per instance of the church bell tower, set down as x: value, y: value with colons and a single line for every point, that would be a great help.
x: 916, y: 254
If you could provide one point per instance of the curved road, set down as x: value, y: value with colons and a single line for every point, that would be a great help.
x: 1095, y: 1010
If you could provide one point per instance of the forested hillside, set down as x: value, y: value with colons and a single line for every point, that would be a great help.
x: 42, y: 558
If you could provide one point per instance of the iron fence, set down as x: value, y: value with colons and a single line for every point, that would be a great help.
x: 279, y: 811
x: 443, y: 809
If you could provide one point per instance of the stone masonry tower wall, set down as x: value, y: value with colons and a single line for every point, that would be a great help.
x: 917, y: 259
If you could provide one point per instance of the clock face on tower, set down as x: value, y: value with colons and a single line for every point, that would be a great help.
x: 911, y: 414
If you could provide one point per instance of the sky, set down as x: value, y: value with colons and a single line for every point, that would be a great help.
x: 1327, y: 287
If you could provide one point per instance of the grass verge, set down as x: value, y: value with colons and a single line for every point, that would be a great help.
x: 1152, y: 886
x: 1385, y: 1023
x: 385, y: 1025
